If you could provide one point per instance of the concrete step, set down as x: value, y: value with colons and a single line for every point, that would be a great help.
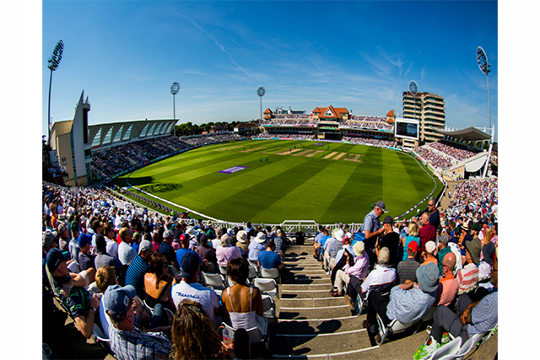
x: 308, y: 345
x: 304, y: 284
x: 306, y: 294
x: 311, y: 302
x: 323, y: 312
x: 327, y: 326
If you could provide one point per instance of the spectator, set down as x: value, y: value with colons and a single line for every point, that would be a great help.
x: 242, y: 244
x: 158, y: 282
x: 138, y: 268
x: 413, y: 236
x: 427, y: 232
x: 268, y: 259
x: 443, y: 250
x: 434, y: 215
x: 166, y: 249
x: 406, y: 270
x: 112, y: 246
x: 431, y: 252
x: 190, y: 289
x: 373, y: 229
x: 448, y: 282
x: 193, y: 333
x: 331, y: 248
x: 226, y: 251
x: 104, y: 259
x: 125, y: 252
x: 127, y: 340
x: 86, y: 258
x: 208, y: 254
x: 410, y: 302
x: 390, y: 240
x: 63, y: 243
x: 255, y: 246
x: 468, y: 276
x: 242, y: 304
x: 74, y: 248
x: 71, y: 288
x: 357, y: 267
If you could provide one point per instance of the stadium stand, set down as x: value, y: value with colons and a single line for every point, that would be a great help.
x: 470, y: 218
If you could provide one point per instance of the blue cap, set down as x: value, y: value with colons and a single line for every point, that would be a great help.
x: 190, y: 264
x: 55, y: 257
x: 84, y: 239
x: 117, y: 300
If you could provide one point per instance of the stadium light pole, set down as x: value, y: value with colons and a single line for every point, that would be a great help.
x: 54, y: 61
x: 175, y: 87
x: 484, y: 66
x: 261, y: 92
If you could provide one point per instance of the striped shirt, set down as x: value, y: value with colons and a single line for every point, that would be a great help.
x: 332, y: 246
x: 407, y: 270
x: 135, y: 275
x: 137, y: 344
x: 407, y: 306
x: 468, y: 278
x: 485, y: 315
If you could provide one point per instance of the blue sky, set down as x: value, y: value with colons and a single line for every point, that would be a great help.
x: 359, y: 55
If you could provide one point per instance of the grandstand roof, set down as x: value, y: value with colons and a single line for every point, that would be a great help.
x: 470, y: 134
x: 336, y: 112
x: 268, y: 111
x: 107, y: 134
x: 391, y: 113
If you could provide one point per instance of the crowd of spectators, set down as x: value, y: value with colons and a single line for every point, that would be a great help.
x: 113, y: 160
x: 369, y: 124
x: 213, y: 139
x: 360, y: 140
x: 286, y: 120
x: 435, y: 158
x: 475, y: 196
x: 457, y: 151
x: 285, y: 136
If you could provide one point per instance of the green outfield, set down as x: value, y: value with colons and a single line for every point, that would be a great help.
x: 301, y: 180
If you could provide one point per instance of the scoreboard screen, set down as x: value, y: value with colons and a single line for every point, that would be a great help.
x: 407, y: 128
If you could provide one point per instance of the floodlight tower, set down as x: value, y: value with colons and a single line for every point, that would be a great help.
x: 54, y: 61
x: 484, y: 66
x: 261, y: 92
x: 175, y: 87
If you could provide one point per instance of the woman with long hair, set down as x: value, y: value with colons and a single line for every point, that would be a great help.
x: 193, y: 334
x: 242, y: 304
x: 157, y: 283
x: 413, y: 236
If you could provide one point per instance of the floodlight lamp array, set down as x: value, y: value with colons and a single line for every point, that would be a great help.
x: 261, y: 91
x: 54, y: 59
x: 175, y: 87
x: 482, y: 59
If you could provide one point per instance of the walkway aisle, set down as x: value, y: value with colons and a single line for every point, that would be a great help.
x: 313, y: 324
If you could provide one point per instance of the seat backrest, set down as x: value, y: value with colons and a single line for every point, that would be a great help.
x: 253, y: 263
x: 255, y: 335
x: 450, y: 348
x: 267, y: 302
x: 98, y: 333
x: 222, y: 270
x: 252, y: 272
x: 467, y: 345
x: 397, y: 326
x: 265, y: 284
x: 269, y: 273
x: 213, y: 279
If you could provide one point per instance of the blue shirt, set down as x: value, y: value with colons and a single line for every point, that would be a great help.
x: 254, y: 249
x: 269, y: 259
x: 371, y: 224
x: 407, y: 306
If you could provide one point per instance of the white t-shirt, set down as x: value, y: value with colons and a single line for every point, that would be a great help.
x: 196, y: 292
x: 112, y: 247
x: 125, y: 253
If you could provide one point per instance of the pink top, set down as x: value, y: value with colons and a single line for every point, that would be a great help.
x: 224, y: 254
x: 360, y: 268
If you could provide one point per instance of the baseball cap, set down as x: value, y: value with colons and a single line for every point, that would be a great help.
x: 489, y: 252
x: 61, y: 228
x: 74, y: 226
x: 190, y: 264
x: 84, y: 239
x: 444, y: 239
x: 145, y: 245
x: 428, y: 277
x: 430, y: 247
x: 54, y: 258
x: 48, y: 238
x: 117, y: 300
x: 168, y: 234
x: 476, y: 226
x: 380, y: 204
x: 413, y: 246
x: 388, y: 220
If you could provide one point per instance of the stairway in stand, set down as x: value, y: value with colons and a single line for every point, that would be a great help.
x: 311, y: 322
